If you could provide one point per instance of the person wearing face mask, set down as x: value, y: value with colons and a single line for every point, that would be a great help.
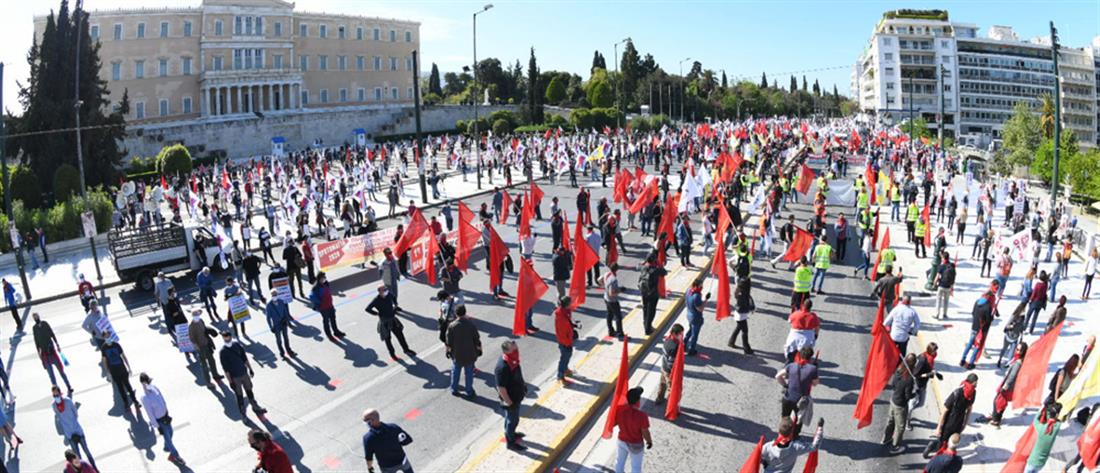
x: 202, y: 337
x: 321, y: 298
x: 384, y: 306
x: 278, y: 320
x: 512, y: 389
x: 116, y: 363
x: 64, y: 411
x: 232, y: 289
x: 272, y: 457
x: 173, y: 313
x: 157, y: 410
x: 73, y: 464
x: 385, y: 442
x: 235, y: 363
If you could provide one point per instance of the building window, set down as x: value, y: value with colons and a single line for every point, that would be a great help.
x: 187, y: 29
x: 141, y: 30
x: 378, y: 63
x: 888, y: 56
x: 377, y: 34
x: 393, y: 36
x: 118, y: 32
x: 394, y: 93
x: 342, y: 62
x: 238, y: 59
x: 238, y: 25
x: 359, y: 33
x: 187, y: 105
x: 341, y: 32
x: 361, y: 94
x: 303, y: 30
x: 186, y: 66
x: 116, y: 71
x: 139, y: 69
x: 218, y: 28
x: 360, y: 63
x: 889, y: 86
x: 409, y: 63
x: 393, y: 63
x: 378, y: 94
x: 943, y: 43
x: 303, y: 62
x: 887, y: 41
x: 305, y: 98
x: 889, y: 71
x: 408, y: 37
x: 163, y: 108
x: 324, y: 95
x: 94, y: 31
x: 164, y: 29
x: 323, y: 32
x: 139, y: 110
x: 278, y: 28
x: 946, y: 59
x: 162, y: 67
x: 278, y: 61
x: 343, y: 95
x: 259, y: 26
x: 322, y: 63
x: 409, y: 93
x: 218, y: 63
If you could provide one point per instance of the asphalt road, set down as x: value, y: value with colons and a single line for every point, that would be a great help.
x: 315, y: 401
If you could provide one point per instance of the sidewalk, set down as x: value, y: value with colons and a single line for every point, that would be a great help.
x: 984, y: 448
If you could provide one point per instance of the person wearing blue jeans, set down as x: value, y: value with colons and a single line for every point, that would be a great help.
x: 982, y: 318
x: 695, y: 317
x: 65, y: 414
x: 463, y: 346
x: 511, y: 388
x: 564, y: 329
x: 157, y: 410
x: 45, y: 342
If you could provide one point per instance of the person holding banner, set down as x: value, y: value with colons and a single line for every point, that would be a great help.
x: 321, y: 298
x: 238, y: 307
x: 277, y: 313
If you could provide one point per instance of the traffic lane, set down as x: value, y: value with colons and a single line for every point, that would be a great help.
x: 732, y: 396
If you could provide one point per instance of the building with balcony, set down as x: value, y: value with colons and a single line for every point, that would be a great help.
x: 982, y: 78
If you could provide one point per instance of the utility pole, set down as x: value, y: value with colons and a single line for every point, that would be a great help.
x: 420, y: 158
x: 7, y: 196
x: 618, y: 79
x: 1054, y: 46
x: 477, y: 93
x: 682, y: 88
x: 77, y: 104
x: 911, y: 118
x: 943, y: 116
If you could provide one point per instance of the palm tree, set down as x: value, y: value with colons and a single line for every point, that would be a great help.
x: 1046, y: 117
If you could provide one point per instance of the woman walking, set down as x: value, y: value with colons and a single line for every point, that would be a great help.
x: 1091, y: 265
x: 745, y: 305
x: 1008, y: 383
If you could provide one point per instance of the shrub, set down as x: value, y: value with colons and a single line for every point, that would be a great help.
x: 461, y: 125
x: 25, y: 187
x: 174, y: 160
x: 66, y: 182
x: 62, y: 221
x: 501, y: 127
x: 555, y: 91
x: 432, y: 98
x: 531, y: 129
x: 505, y: 115
x: 581, y: 118
x: 556, y: 120
x: 139, y: 164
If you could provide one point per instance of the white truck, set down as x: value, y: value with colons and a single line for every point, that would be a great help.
x: 139, y: 254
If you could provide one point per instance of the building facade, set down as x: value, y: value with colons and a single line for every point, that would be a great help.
x: 241, y: 59
x: 977, y: 80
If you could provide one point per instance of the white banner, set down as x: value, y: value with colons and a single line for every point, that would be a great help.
x: 1019, y: 245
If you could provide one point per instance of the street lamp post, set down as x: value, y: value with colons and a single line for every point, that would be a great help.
x: 7, y: 197
x: 477, y: 90
x: 420, y: 158
x: 682, y: 87
x: 1054, y: 47
x: 77, y: 103
x: 618, y: 98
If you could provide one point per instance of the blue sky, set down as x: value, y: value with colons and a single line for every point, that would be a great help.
x: 744, y: 37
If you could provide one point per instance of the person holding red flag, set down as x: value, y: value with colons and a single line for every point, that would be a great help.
x: 670, y: 348
x: 956, y: 414
x: 512, y: 389
x: 947, y: 460
x: 780, y: 455
x: 566, y: 331
x: 695, y: 303
x: 633, y: 426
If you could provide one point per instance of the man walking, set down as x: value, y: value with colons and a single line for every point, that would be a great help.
x: 385, y: 442
x: 669, y: 348
x: 563, y: 267
x: 511, y: 388
x: 236, y: 365
x: 390, y: 272
x: 115, y: 362
x: 945, y: 286
x: 321, y: 298
x: 565, y: 331
x: 64, y: 411
x: 797, y: 379
x: 649, y: 282
x: 384, y: 305
x: 822, y: 260
x: 202, y: 338
x: 633, y: 426
x: 955, y: 413
x: 205, y: 282
x: 277, y: 313
x: 49, y: 350
x: 694, y: 316
x: 464, y: 346
x: 157, y: 410
x: 611, y: 292
x: 903, y: 322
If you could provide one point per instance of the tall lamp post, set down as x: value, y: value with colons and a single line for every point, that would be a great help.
x: 77, y: 103
x: 1054, y: 47
x: 7, y: 197
x: 682, y: 87
x: 618, y: 99
x: 420, y: 158
x: 477, y: 89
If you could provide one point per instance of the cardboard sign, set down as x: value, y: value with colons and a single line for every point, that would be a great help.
x: 282, y: 286
x: 183, y: 341
x: 1019, y: 245
x: 238, y: 307
x: 87, y: 218
x: 103, y: 324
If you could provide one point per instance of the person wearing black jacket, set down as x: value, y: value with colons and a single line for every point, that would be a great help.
x: 563, y: 267
x: 742, y: 295
x: 293, y: 256
x: 251, y: 267
x: 556, y: 229
x: 923, y: 370
x: 648, y: 282
x: 899, y: 404
x: 945, y: 285
x: 173, y: 313
x: 384, y: 306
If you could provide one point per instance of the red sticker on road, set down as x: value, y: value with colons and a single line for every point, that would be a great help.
x: 412, y: 414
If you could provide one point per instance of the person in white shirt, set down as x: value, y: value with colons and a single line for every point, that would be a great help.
x: 1091, y: 266
x: 157, y: 410
x: 527, y: 246
x: 903, y: 322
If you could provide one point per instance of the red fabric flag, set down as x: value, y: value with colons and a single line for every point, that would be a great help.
x: 417, y: 227
x: 645, y: 197
x: 497, y: 251
x: 584, y: 258
x: 882, y: 360
x: 536, y: 193
x: 878, y: 259
x: 926, y: 217
x: 529, y: 290
x: 565, y: 243
x: 805, y: 178
x: 465, y: 214
x: 163, y: 182
x: 225, y: 180
x: 721, y: 271
x: 526, y: 214
x: 467, y: 237
x: 622, y: 384
x: 639, y: 175
x: 874, y: 234
x: 506, y: 205
x: 546, y: 136
x: 801, y: 244
x: 429, y: 265
x: 752, y: 464
x: 724, y: 220
x: 1018, y: 460
x: 811, y: 463
x: 1028, y: 391
x: 1089, y: 444
x: 676, y: 384
x: 612, y: 251
x: 871, y: 184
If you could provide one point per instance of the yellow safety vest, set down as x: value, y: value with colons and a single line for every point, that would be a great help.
x: 895, y: 194
x: 821, y: 256
x: 888, y: 256
x: 911, y: 213
x: 920, y: 229
x: 864, y: 200
x: 784, y: 184
x: 802, y: 278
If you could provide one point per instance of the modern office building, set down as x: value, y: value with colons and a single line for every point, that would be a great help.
x: 982, y: 78
x: 226, y: 59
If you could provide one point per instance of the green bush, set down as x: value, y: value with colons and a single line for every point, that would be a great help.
x: 581, y: 118
x: 501, y: 127
x: 62, y: 221
x: 556, y: 120
x: 531, y: 129
x: 66, y: 182
x: 139, y: 164
x: 506, y: 115
x: 431, y: 98
x: 555, y: 91
x: 25, y: 187
x: 174, y: 160
x: 461, y: 125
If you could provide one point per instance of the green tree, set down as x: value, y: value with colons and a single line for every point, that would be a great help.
x: 456, y: 83
x: 174, y: 160
x: 434, y: 85
x: 630, y: 67
x: 1043, y: 163
x: 25, y: 187
x: 1047, y: 115
x: 598, y: 90
x: 66, y: 182
x: 763, y: 80
x: 598, y: 62
x: 804, y: 84
x: 555, y: 91
x: 725, y: 84
x: 1082, y: 171
x: 1022, y: 135
x: 534, y: 93
x: 794, y: 85
x: 817, y: 88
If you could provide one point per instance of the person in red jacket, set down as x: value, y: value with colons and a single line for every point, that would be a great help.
x: 564, y: 329
x: 271, y: 455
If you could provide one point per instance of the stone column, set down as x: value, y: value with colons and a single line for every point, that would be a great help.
x: 240, y: 98
x: 219, y: 100
x: 204, y: 97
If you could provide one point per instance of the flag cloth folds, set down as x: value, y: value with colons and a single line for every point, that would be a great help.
x: 1084, y: 386
x: 622, y: 384
x: 467, y: 237
x: 676, y: 383
x: 805, y: 178
x: 926, y: 217
x: 417, y: 227
x: 811, y: 462
x: 565, y: 243
x: 882, y: 360
x: 529, y: 290
x: 497, y: 252
x: 429, y: 256
x: 525, y: 216
x: 506, y: 205
x: 721, y: 271
x: 1016, y: 462
x: 1089, y: 443
x: 645, y: 197
x: 871, y: 184
x: 584, y: 258
x: 536, y: 193
x: 802, y: 242
x: 1028, y: 391
x: 752, y: 464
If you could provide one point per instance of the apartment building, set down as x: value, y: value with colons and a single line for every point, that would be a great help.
x: 234, y: 59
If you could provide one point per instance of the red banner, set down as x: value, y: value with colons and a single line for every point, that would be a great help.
x: 363, y: 248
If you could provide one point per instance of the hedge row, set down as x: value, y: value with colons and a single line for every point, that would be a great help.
x: 62, y: 221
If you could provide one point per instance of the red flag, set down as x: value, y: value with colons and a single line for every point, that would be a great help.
x: 805, y: 178
x: 621, y: 386
x: 802, y: 242
x: 497, y: 251
x: 225, y: 180
x: 639, y: 175
x: 465, y: 214
x: 724, y: 220
x: 874, y: 234
x: 529, y: 290
x: 546, y: 136
x: 752, y: 464
x: 526, y: 214
x: 878, y: 259
x: 869, y: 177
x: 1089, y: 444
x: 565, y: 231
x: 882, y: 360
x: 811, y: 462
x: 1016, y: 462
x: 163, y: 183
x: 1028, y: 391
x: 417, y: 227
x: 536, y: 193
x: 721, y: 271
x: 926, y: 217
x: 676, y: 384
x: 506, y: 204
x: 584, y: 258
x: 645, y: 197
x: 194, y: 185
x: 467, y: 237
x: 429, y: 265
